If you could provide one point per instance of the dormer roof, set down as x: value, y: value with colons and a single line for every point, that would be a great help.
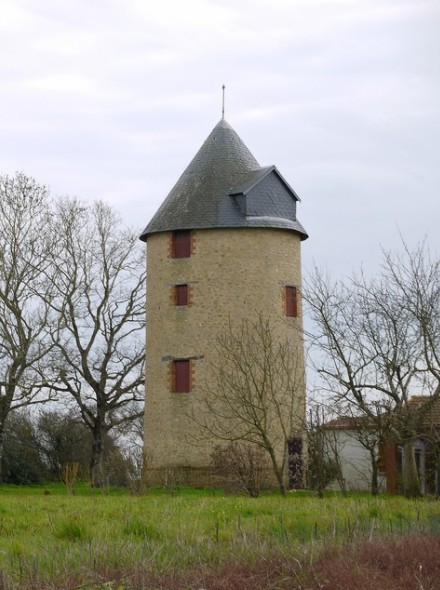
x: 224, y: 186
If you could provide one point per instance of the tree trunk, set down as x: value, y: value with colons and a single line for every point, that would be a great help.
x: 279, y: 473
x: 2, y: 445
x: 410, y: 477
x: 340, y: 474
x: 96, y: 458
x: 437, y: 478
x: 374, y: 474
x: 281, y: 484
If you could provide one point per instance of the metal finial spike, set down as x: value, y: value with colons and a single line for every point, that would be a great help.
x: 223, y: 102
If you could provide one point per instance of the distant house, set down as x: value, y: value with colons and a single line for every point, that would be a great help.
x: 354, y: 458
x: 348, y: 439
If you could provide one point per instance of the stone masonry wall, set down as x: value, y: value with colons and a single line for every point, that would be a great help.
x: 232, y: 274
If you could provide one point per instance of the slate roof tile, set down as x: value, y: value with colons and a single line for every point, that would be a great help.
x: 201, y: 198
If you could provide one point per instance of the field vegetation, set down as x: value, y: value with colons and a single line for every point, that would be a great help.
x: 181, y: 538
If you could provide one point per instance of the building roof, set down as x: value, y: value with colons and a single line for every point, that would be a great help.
x: 345, y: 423
x: 428, y: 407
x: 224, y: 186
x: 423, y: 409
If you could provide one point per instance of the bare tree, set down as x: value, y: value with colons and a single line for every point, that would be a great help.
x: 97, y: 299
x: 63, y: 440
x: 353, y: 428
x: 258, y: 392
x: 377, y: 344
x: 23, y: 459
x: 23, y: 312
x: 323, y: 466
x: 241, y: 465
x: 369, y: 435
x: 334, y: 450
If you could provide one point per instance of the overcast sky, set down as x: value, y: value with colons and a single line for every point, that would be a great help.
x: 111, y: 99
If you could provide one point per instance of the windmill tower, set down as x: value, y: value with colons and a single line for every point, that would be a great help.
x: 225, y: 244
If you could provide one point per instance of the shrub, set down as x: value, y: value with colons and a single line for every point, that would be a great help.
x: 241, y: 467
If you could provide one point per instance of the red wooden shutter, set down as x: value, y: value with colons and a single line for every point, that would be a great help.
x: 182, y: 244
x: 181, y: 294
x: 291, y: 302
x: 182, y: 376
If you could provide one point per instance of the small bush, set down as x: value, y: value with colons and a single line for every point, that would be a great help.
x: 321, y: 473
x: 241, y: 467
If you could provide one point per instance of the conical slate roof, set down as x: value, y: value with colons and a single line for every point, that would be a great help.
x: 224, y: 186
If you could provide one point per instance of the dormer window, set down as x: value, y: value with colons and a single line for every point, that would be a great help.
x: 181, y: 244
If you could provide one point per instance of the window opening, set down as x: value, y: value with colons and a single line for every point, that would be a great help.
x: 181, y: 376
x: 181, y: 294
x: 291, y: 302
x: 181, y: 244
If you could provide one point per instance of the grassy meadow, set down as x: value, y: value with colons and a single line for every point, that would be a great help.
x: 50, y: 539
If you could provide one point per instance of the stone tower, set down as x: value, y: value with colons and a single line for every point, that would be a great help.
x: 224, y: 245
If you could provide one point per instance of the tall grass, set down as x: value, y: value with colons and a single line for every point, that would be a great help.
x: 51, y: 538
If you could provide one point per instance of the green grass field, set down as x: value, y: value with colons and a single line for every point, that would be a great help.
x: 48, y: 537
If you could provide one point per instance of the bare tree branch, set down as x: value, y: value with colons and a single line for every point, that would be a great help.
x: 24, y: 244
x: 256, y: 393
x: 377, y: 341
x: 97, y: 299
